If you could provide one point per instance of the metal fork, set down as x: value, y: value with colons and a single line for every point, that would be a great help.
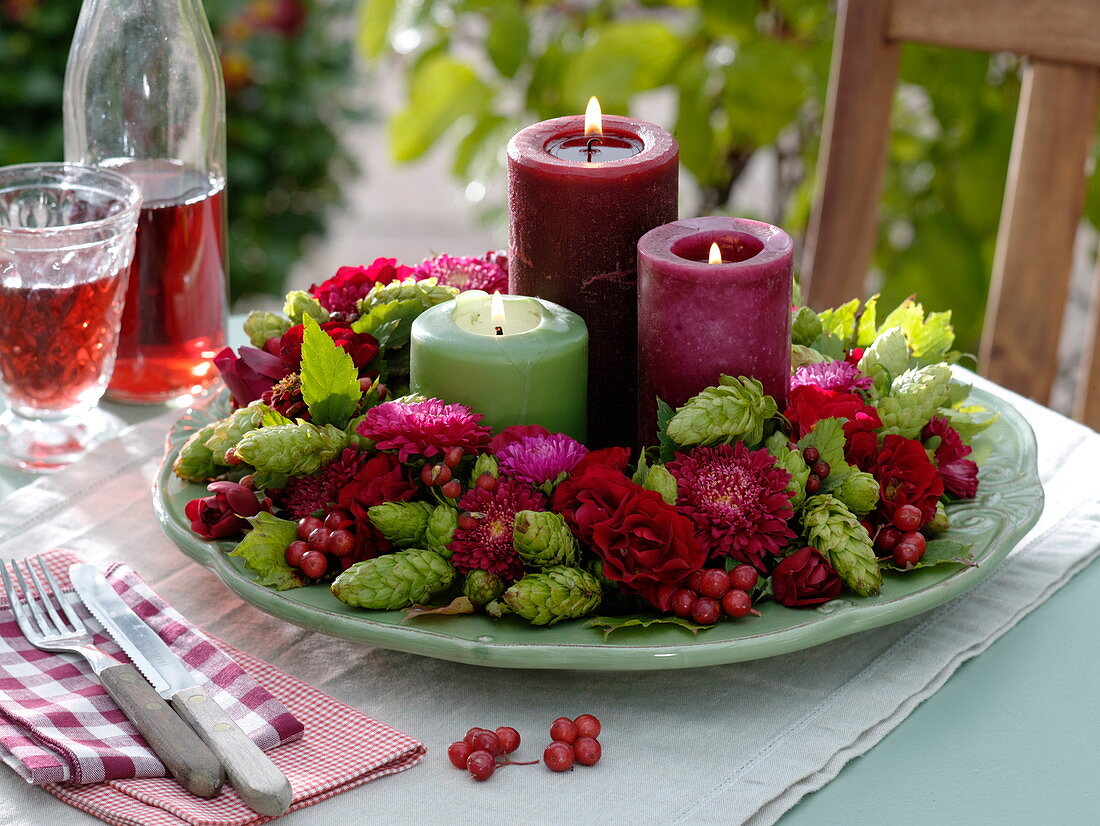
x: 184, y: 754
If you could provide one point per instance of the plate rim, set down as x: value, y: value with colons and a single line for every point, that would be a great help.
x: 835, y: 620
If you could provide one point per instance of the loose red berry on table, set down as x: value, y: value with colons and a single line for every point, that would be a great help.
x: 458, y: 753
x: 509, y: 739
x: 453, y: 457
x: 682, y: 602
x: 487, y: 741
x: 487, y: 481
x: 694, y: 579
x: 821, y: 468
x: 744, y: 577
x: 452, y: 489
x: 308, y: 525
x: 811, y: 455
x: 706, y: 611
x: 737, y: 603
x: 714, y: 583
x: 558, y: 756
x: 468, y: 737
x: 588, y: 725
x: 908, y: 518
x: 563, y: 729
x: 294, y: 553
x: 587, y: 751
x: 481, y: 765
x: 887, y: 540
x: 313, y: 564
x: 813, y: 484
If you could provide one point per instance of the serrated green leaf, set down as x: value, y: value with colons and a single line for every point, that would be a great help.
x: 619, y: 59
x: 330, y: 382
x: 840, y: 321
x: 867, y: 330
x: 828, y: 438
x: 391, y: 321
x: 263, y: 550
x: 608, y: 625
x: 942, y: 552
x: 667, y: 443
x: 273, y: 418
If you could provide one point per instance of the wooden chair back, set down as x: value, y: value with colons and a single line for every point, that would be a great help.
x: 1045, y: 187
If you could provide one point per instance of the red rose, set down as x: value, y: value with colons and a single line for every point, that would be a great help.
x: 513, y: 433
x: 362, y: 347
x: 645, y: 543
x: 380, y: 479
x: 805, y: 578
x: 221, y: 516
x: 250, y: 374
x: 959, y: 474
x: 341, y: 293
x: 612, y: 457
x: 906, y: 476
x: 861, y: 450
x: 808, y: 404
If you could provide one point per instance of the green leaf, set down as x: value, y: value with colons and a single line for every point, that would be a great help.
x: 867, y: 330
x: 390, y: 322
x: 507, y: 40
x: 608, y: 625
x: 374, y: 26
x: 263, y: 550
x: 330, y: 382
x: 442, y: 92
x: 828, y: 437
x: 668, y: 445
x: 942, y: 552
x: 273, y: 418
x: 840, y: 321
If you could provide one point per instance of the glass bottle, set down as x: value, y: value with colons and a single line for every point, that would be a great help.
x: 144, y: 95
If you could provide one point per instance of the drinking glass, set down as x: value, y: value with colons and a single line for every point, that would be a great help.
x: 66, y: 242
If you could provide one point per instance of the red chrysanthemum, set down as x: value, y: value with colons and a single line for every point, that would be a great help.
x: 464, y: 273
x: 807, y: 405
x: 304, y: 495
x: 428, y: 428
x: 738, y: 500
x: 959, y: 474
x: 488, y: 546
x: 341, y: 293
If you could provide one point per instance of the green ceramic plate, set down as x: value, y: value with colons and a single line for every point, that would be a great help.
x: 1008, y: 505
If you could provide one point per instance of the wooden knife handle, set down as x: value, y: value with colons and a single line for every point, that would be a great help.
x: 183, y: 753
x: 257, y: 780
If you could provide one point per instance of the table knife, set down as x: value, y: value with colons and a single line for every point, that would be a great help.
x: 256, y: 779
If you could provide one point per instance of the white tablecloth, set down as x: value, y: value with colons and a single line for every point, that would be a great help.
x: 729, y: 744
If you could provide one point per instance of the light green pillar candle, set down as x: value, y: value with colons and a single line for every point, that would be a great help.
x: 512, y: 358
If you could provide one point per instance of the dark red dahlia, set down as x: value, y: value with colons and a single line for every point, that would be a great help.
x: 959, y: 474
x: 488, y: 546
x: 341, y: 293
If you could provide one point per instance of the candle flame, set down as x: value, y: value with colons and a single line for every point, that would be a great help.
x: 593, y: 118
x: 496, y: 310
x: 715, y: 254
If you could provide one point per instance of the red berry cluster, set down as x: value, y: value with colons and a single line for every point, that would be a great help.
x: 325, y: 543
x: 819, y: 468
x: 483, y: 750
x: 573, y: 741
x: 442, y: 474
x: 712, y: 592
x: 903, y: 539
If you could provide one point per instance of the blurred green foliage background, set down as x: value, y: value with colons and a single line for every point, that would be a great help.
x: 288, y: 68
x: 745, y: 76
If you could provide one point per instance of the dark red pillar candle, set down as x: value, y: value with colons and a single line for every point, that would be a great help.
x: 574, y: 230
x: 697, y: 320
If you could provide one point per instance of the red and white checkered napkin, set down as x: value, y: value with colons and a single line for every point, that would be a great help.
x: 58, y: 728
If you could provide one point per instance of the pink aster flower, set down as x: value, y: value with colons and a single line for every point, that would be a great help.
x: 464, y: 273
x: 738, y: 500
x: 537, y: 459
x: 488, y: 545
x: 832, y: 375
x: 428, y: 428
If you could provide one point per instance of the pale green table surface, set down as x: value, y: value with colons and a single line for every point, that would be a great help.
x: 1012, y: 738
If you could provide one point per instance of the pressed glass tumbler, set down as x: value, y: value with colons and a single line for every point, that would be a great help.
x: 66, y: 242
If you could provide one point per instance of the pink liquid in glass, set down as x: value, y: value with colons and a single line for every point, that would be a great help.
x: 176, y: 301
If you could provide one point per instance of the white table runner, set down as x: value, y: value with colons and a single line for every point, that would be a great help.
x: 728, y: 744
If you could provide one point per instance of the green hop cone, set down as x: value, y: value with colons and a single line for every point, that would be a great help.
x: 734, y: 410
x: 886, y: 358
x: 915, y: 397
x: 482, y: 587
x: 549, y: 596
x: 835, y: 531
x: 805, y: 327
x: 291, y: 449
x: 659, y: 479
x: 859, y: 491
x: 940, y: 522
x: 543, y: 539
x: 230, y: 431
x: 196, y: 462
x: 792, y: 462
x: 402, y: 523
x: 486, y: 463
x: 427, y: 292
x: 261, y: 326
x: 801, y: 356
x: 299, y: 304
x: 393, y: 581
x: 440, y: 530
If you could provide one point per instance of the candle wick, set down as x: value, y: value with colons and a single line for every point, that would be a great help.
x: 589, y: 147
x: 500, y: 331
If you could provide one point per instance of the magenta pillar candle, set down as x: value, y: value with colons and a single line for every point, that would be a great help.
x: 574, y: 230
x: 697, y: 320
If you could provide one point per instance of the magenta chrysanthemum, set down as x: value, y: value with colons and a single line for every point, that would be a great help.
x: 538, y: 459
x: 832, y: 375
x: 428, y: 428
x: 305, y: 494
x: 488, y: 546
x: 464, y: 273
x: 738, y: 500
